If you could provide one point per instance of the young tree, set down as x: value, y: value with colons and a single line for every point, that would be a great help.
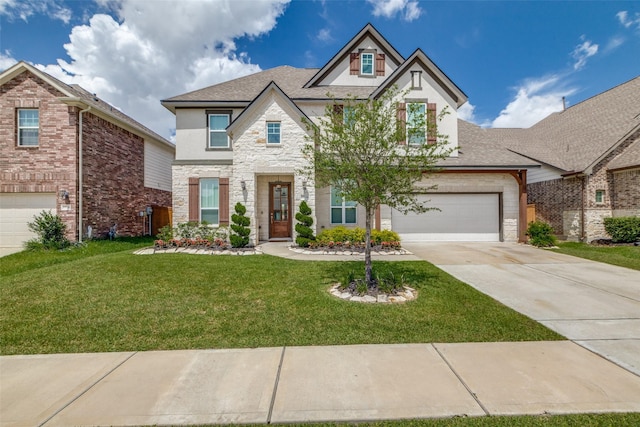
x: 374, y: 151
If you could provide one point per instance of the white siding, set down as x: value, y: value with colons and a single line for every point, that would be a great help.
x: 157, y: 166
x: 544, y: 173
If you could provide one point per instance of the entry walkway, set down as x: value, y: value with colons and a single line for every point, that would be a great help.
x: 303, y: 384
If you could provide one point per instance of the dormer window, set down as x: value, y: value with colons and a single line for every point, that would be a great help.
x: 366, y: 64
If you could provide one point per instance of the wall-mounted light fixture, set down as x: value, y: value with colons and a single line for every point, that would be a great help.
x: 304, y: 185
x: 243, y: 184
x: 64, y: 194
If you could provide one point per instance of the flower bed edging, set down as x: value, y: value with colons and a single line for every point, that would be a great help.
x: 409, y: 294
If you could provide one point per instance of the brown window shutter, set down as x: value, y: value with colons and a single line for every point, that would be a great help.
x: 401, y: 121
x: 380, y: 64
x: 432, y: 125
x: 355, y: 63
x: 194, y: 199
x: 224, y: 201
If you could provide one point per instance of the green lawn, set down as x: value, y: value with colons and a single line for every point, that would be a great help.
x: 624, y: 256
x: 577, y: 420
x: 117, y: 301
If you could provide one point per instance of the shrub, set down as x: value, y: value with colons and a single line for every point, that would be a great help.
x: 240, y: 236
x: 341, y: 234
x: 303, y: 227
x: 541, y: 234
x: 165, y: 233
x: 50, y: 230
x: 624, y: 229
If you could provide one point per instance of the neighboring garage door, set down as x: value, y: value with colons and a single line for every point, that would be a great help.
x: 16, y: 210
x: 462, y: 217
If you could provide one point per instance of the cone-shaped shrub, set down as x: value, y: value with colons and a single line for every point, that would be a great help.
x: 303, y: 227
x: 240, y: 236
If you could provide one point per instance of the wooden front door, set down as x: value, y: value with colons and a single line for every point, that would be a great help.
x: 279, y: 210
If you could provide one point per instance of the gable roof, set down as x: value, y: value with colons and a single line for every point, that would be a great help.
x: 243, y: 90
x: 271, y: 88
x: 432, y: 69
x: 367, y: 31
x: 578, y: 138
x: 77, y: 96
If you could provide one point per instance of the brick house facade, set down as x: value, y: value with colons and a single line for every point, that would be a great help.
x: 116, y: 185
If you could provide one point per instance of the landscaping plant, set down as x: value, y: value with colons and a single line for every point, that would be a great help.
x: 240, y: 227
x: 303, y: 227
x: 50, y: 230
x: 541, y: 234
x: 624, y: 229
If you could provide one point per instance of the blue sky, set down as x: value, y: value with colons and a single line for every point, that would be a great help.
x: 515, y: 60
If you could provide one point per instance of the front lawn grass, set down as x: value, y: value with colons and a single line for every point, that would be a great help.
x: 125, y: 302
x: 623, y: 256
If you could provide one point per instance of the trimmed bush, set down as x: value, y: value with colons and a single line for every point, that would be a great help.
x: 541, y: 234
x: 341, y: 234
x: 240, y: 236
x: 50, y: 230
x: 624, y: 229
x: 303, y: 227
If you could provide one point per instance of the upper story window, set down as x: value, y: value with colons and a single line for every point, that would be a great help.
x: 28, y: 127
x: 366, y: 64
x: 218, y: 123
x: 273, y: 133
x: 416, y: 123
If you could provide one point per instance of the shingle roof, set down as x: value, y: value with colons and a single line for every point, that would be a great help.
x: 291, y: 80
x: 629, y: 158
x: 576, y: 138
x: 481, y: 148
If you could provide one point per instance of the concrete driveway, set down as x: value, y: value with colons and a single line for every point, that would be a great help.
x: 593, y: 304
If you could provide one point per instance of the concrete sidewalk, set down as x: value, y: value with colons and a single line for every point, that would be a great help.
x: 301, y: 384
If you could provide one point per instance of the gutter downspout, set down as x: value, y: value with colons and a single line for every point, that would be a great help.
x: 80, y: 172
x: 583, y: 219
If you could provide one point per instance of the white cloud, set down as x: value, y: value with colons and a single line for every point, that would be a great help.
x: 582, y: 52
x: 467, y: 112
x: 15, y: 9
x: 134, y: 62
x: 6, y: 60
x: 409, y: 10
x: 613, y: 43
x: 627, y: 21
x: 324, y: 35
x: 535, y: 99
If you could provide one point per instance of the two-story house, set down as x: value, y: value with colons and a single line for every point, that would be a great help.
x: 241, y: 141
x: 64, y: 150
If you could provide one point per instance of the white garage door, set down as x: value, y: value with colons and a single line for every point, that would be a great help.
x: 462, y: 217
x: 16, y: 210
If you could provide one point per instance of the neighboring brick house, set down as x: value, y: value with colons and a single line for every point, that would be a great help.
x: 590, y: 157
x: 241, y: 141
x: 63, y: 149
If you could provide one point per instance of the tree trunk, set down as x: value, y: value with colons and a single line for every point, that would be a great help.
x: 368, y: 268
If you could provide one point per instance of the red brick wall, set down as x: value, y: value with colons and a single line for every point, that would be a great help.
x: 113, y: 171
x: 552, y: 198
x: 626, y: 194
x: 51, y: 166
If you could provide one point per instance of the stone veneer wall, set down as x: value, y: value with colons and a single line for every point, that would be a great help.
x: 51, y: 166
x: 113, y: 175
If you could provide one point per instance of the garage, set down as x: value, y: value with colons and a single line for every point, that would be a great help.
x: 16, y: 210
x: 471, y: 217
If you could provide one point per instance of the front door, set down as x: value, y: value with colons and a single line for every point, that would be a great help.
x: 280, y: 210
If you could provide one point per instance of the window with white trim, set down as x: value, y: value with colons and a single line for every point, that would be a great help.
x: 416, y: 123
x: 273, y: 132
x: 366, y: 64
x: 28, y: 127
x: 210, y: 200
x: 342, y: 210
x: 218, y: 123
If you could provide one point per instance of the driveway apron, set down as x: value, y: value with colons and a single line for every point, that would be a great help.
x: 594, y: 304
